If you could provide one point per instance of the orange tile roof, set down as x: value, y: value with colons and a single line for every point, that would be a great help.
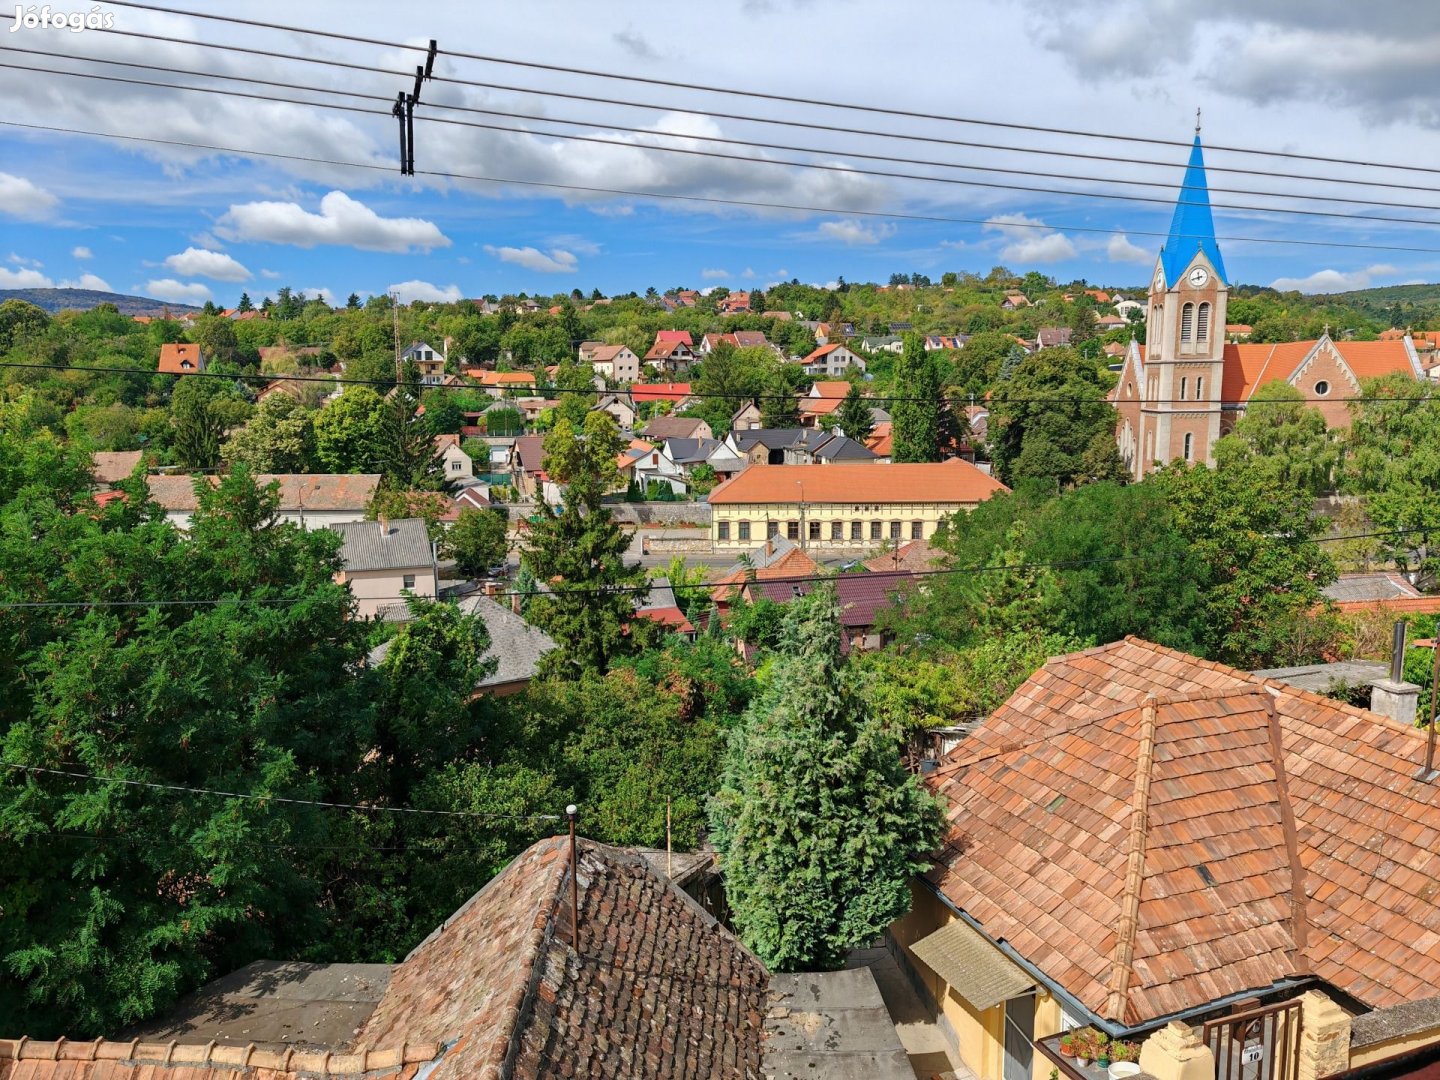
x: 949, y: 483
x: 1153, y: 854
x: 792, y: 564
x: 180, y: 358
x: 914, y: 555
x: 502, y: 378
x: 835, y: 389
x: 1372, y: 359
x: 26, y: 1059
x: 660, y: 391
x: 678, y: 337
x: 1248, y: 367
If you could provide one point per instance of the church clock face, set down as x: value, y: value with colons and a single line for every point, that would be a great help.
x: 1198, y: 277
x: 1159, y: 280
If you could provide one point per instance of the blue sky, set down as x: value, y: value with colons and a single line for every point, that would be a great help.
x: 1321, y: 77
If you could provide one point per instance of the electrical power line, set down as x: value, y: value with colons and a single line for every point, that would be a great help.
x: 621, y: 144
x: 553, y: 591
x: 706, y: 200
x: 276, y: 798
x: 879, y: 399
x: 753, y: 144
x: 1130, y: 160
x: 571, y: 70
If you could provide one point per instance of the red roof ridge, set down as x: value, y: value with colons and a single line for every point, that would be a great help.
x: 1123, y: 956
x: 289, y: 1060
x: 1299, y: 920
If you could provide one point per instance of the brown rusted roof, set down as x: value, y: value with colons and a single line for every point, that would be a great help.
x: 1154, y: 832
x: 656, y: 988
x: 654, y: 982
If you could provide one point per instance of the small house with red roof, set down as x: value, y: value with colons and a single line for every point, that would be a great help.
x: 832, y: 361
x: 181, y: 358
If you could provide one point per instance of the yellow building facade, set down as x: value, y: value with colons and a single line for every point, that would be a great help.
x: 848, y: 507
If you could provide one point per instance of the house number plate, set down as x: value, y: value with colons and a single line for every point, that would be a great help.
x: 1251, y: 1053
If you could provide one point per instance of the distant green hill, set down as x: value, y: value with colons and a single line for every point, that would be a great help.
x: 1390, y: 294
x: 53, y: 300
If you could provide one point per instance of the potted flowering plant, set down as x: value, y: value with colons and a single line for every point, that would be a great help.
x: 1102, y: 1051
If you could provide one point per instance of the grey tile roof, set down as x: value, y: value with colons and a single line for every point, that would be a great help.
x: 514, y: 643
x: 1379, y: 585
x: 397, y: 545
x: 688, y: 451
x: 843, y: 449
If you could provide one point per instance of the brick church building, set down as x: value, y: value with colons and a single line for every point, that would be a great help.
x: 1186, y: 386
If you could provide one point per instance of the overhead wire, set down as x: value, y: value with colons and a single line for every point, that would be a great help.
x: 848, y: 170
x: 879, y: 399
x: 570, y: 70
x: 170, y: 69
x: 551, y: 591
x: 1129, y: 160
x: 706, y: 200
x: 252, y: 797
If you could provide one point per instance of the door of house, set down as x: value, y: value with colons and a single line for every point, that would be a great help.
x: 1019, y: 1031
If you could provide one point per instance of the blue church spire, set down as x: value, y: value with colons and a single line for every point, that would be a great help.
x: 1192, y: 228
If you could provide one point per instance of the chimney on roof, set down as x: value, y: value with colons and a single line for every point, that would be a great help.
x: 1393, y: 696
x: 384, y: 525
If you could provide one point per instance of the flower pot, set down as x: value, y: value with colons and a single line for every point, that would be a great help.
x: 1103, y: 1062
x: 1123, y: 1070
x: 1082, y: 1062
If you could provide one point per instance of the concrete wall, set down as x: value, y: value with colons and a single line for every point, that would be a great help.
x: 374, y: 589
x: 661, y: 513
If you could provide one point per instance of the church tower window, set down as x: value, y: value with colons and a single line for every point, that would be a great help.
x: 1183, y: 383
x: 1189, y: 446
x: 1199, y: 387
x: 1202, y: 323
x: 1187, y: 322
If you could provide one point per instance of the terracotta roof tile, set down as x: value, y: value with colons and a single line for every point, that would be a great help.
x: 951, y: 483
x: 1245, y: 865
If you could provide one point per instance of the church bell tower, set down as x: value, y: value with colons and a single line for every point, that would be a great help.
x: 1184, y: 352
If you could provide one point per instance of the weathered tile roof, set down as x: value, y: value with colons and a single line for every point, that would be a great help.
x: 1154, y: 832
x: 675, y: 427
x: 298, y: 491
x: 1370, y: 587
x: 390, y: 545
x: 112, y: 466
x: 775, y: 558
x: 912, y: 555
x: 953, y: 482
x: 22, y: 1059
x: 655, y: 988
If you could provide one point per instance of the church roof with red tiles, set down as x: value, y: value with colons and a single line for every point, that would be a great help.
x: 1156, y: 832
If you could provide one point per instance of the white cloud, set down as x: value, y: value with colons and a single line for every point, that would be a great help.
x: 1335, y: 281
x: 24, y: 279
x: 82, y: 253
x: 88, y: 281
x: 716, y: 275
x: 197, y: 262
x: 558, y: 261
x: 1120, y: 249
x: 341, y: 220
x: 850, y: 231
x: 747, y: 273
x: 21, y: 260
x: 176, y: 292
x: 409, y: 291
x: 322, y: 293
x: 22, y: 199
x: 782, y: 273
x: 578, y: 244
x: 271, y: 275
x: 1031, y: 240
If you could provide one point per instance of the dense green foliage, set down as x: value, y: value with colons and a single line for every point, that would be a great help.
x: 818, y: 826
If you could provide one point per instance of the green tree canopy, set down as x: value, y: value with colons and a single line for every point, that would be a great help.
x: 1281, y: 437
x: 1050, y: 421
x: 818, y: 826
x: 916, y: 411
x: 349, y: 431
